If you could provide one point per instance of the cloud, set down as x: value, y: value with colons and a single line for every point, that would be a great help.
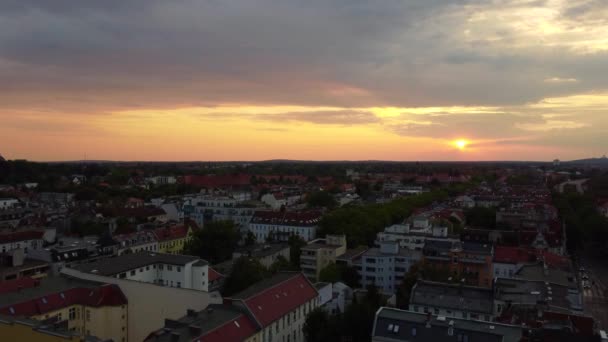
x: 560, y: 80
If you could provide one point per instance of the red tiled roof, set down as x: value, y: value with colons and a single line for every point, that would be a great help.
x: 14, y: 285
x: 238, y: 329
x: 276, y: 301
x: 513, y: 255
x: 105, y: 295
x: 214, y: 275
x: 21, y: 236
x: 217, y: 181
x: 171, y: 233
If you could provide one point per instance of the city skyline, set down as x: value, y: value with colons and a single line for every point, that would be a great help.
x: 259, y: 80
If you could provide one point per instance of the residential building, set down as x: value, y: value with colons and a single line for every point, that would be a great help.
x: 413, y: 237
x: 279, y: 305
x: 453, y: 300
x: 334, y: 298
x: 509, y: 260
x: 172, y: 240
x: 162, y: 180
x: 266, y: 254
x: 225, y: 323
x: 25, y: 239
x: 24, y: 329
x: 209, y: 208
x: 319, y: 253
x: 393, y: 325
x: 385, y: 267
x: 466, y: 260
x: 153, y: 302
x: 86, y: 308
x: 14, y: 265
x: 171, y: 270
x: 280, y: 225
x: 67, y: 250
x: 529, y: 299
x: 140, y: 241
x: 8, y: 203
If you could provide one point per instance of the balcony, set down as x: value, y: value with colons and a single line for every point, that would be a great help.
x: 312, y: 257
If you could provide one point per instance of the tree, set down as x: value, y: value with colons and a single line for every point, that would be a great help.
x: 295, y: 249
x: 321, y: 199
x: 320, y: 327
x: 215, y: 242
x: 405, y: 288
x: 282, y: 264
x: 481, y: 217
x: 330, y: 274
x: 245, y: 272
x: 250, y: 239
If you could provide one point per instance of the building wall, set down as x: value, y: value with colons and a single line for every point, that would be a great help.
x: 291, y: 325
x: 505, y: 270
x: 263, y: 230
x: 462, y: 314
x: 150, y: 304
x: 108, y: 322
x: 15, y: 331
x: 27, y: 245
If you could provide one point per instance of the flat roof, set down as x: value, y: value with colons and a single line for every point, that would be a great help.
x: 126, y: 262
x: 400, y: 325
x: 453, y: 296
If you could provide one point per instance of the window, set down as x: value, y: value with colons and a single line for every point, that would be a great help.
x: 59, y: 317
x: 179, y: 284
x: 88, y: 316
x: 72, y: 313
x: 169, y: 268
x: 133, y: 272
x: 179, y: 269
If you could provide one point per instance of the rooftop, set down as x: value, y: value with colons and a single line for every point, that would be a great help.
x: 530, y: 293
x: 262, y: 250
x: 288, y: 218
x: 216, y: 323
x: 272, y: 298
x: 58, y: 292
x: 399, y: 325
x: 453, y: 296
x: 126, y: 262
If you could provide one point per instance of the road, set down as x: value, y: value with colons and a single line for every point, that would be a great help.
x: 596, y: 298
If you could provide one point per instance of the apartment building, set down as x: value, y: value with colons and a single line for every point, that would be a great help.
x: 84, y: 308
x: 393, y: 325
x: 209, y: 208
x: 170, y: 270
x: 172, y: 240
x: 413, y: 236
x: 319, y: 253
x: 280, y: 225
x: 140, y: 241
x: 453, y: 300
x: 26, y: 239
x: 470, y: 261
x: 278, y: 305
x: 385, y: 267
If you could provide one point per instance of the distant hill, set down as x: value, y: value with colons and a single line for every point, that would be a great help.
x: 603, y: 161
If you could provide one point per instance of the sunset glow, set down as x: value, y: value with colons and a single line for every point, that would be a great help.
x: 199, y: 80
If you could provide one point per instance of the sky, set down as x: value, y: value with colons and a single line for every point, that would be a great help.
x: 310, y: 80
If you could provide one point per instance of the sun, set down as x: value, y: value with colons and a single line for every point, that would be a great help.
x: 461, y: 144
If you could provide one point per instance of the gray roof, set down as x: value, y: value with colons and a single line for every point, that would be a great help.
x: 209, y: 319
x: 403, y: 252
x: 399, y: 325
x: 530, y: 293
x: 478, y: 248
x: 47, y: 286
x: 261, y: 251
x: 353, y: 253
x: 453, y: 297
x: 126, y: 262
x: 539, y: 272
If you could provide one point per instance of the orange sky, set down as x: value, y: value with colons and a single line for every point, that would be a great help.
x: 340, y: 80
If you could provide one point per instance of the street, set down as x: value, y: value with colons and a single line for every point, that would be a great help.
x: 596, y: 298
